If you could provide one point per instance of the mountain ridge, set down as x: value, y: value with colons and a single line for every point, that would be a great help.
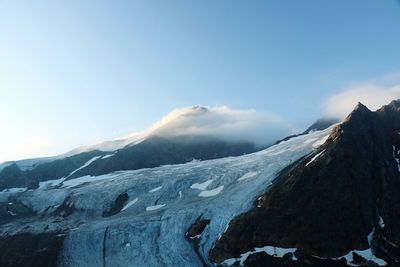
x: 329, y: 202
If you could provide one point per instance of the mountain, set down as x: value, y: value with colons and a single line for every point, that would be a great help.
x: 324, y: 198
x: 341, y: 201
x: 164, y: 216
x: 196, y: 133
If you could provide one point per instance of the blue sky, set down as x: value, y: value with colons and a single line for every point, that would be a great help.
x: 77, y: 72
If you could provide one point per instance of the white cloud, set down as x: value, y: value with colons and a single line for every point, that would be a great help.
x: 371, y: 94
x: 223, y: 122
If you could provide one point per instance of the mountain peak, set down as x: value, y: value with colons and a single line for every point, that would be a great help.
x: 359, y: 112
x: 361, y: 106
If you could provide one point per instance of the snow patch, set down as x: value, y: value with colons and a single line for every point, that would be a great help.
x: 201, y: 186
x: 155, y: 207
x: 108, y: 156
x: 366, y: 254
x: 320, y: 141
x: 130, y: 203
x: 14, y: 190
x: 155, y: 189
x: 84, y: 179
x: 212, y: 192
x: 396, y: 159
x: 371, y: 236
x: 247, y: 176
x: 315, y: 157
x: 51, y: 183
x: 272, y: 251
x: 84, y: 165
x: 381, y: 222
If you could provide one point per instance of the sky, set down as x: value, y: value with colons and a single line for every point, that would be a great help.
x: 78, y: 72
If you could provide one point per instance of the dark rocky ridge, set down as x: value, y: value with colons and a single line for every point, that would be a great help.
x: 156, y: 151
x: 329, y: 207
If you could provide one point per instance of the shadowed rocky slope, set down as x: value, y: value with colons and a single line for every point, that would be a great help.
x: 343, y: 197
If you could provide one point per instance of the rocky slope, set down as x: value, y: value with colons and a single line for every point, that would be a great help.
x: 340, y: 204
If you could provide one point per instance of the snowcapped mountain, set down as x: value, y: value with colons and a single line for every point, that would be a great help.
x: 197, y: 133
x: 323, y: 198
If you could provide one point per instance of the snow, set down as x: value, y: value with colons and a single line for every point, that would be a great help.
x: 155, y: 207
x: 366, y: 254
x: 371, y: 236
x: 315, y: 157
x: 201, y: 186
x: 247, y: 176
x: 14, y: 190
x: 108, y: 156
x: 84, y: 165
x: 320, y: 141
x: 157, y: 238
x: 311, y: 140
x: 84, y: 179
x: 396, y: 159
x: 212, y: 192
x: 130, y: 203
x: 51, y: 183
x: 11, y: 213
x: 112, y: 145
x: 155, y: 189
x: 196, y: 236
x: 381, y: 222
x: 276, y: 252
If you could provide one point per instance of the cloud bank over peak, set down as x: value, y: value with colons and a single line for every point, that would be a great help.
x: 219, y: 121
x: 223, y: 122
x: 372, y: 95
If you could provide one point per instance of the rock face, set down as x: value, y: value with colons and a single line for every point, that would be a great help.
x: 342, y: 197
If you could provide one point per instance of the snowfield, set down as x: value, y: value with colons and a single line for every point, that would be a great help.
x: 162, y: 204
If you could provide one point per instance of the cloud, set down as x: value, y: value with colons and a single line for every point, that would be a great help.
x: 223, y: 122
x: 371, y: 94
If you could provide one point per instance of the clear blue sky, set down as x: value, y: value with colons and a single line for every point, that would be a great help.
x: 75, y: 72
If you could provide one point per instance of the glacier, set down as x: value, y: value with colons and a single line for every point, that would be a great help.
x: 149, y: 229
